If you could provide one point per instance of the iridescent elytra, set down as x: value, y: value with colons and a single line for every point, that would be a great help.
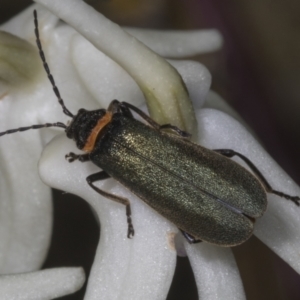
x: 203, y: 192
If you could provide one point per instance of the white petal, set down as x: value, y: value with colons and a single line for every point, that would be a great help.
x: 215, y: 101
x: 41, y: 285
x: 106, y: 80
x: 25, y: 206
x: 279, y: 226
x: 103, y: 78
x: 177, y: 43
x: 19, y: 62
x: 216, y: 273
x: 22, y: 24
x: 196, y: 78
x: 137, y: 268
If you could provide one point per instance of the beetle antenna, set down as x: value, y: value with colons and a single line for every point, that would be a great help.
x: 46, y: 67
x: 39, y: 126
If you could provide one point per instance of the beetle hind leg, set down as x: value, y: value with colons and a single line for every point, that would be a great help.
x: 101, y: 176
x: 230, y: 153
x: 191, y: 239
x: 295, y: 199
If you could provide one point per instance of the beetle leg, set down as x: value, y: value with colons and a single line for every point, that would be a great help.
x: 268, y: 188
x: 190, y: 238
x: 101, y: 176
x: 176, y: 129
x: 126, y: 111
x: 81, y: 157
x: 116, y: 106
x: 141, y: 114
x: 152, y: 122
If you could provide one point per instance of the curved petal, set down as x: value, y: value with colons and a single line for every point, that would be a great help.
x: 103, y: 78
x: 25, y: 206
x: 178, y: 44
x: 196, y: 78
x: 117, y: 84
x: 216, y: 273
x: 25, y: 201
x: 22, y: 26
x: 19, y: 61
x: 215, y: 101
x: 26, y: 209
x: 41, y: 285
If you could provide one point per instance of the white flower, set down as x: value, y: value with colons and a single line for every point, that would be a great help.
x: 142, y: 267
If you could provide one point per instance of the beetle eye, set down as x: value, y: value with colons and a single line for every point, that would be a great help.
x: 81, y: 110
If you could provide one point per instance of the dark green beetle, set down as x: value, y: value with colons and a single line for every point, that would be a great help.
x: 205, y: 194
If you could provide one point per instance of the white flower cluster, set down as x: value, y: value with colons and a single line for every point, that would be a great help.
x: 94, y: 62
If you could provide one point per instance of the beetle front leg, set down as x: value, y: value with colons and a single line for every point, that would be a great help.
x: 230, y: 153
x: 180, y: 132
x: 81, y: 157
x: 127, y: 106
x: 101, y: 176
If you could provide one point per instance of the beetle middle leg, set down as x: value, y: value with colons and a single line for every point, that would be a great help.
x: 101, y: 176
x: 230, y: 153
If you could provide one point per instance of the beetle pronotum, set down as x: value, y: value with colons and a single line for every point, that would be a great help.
x: 203, y: 192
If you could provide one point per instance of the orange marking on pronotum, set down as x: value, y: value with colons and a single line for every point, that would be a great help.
x: 90, y: 143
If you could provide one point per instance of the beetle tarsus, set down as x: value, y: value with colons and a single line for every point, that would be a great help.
x: 295, y: 199
x: 81, y: 157
x: 70, y: 157
x: 130, y: 230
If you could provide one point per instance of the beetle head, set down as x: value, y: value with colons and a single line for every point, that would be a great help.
x: 83, y: 124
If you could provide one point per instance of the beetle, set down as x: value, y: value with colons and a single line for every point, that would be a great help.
x: 208, y: 196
